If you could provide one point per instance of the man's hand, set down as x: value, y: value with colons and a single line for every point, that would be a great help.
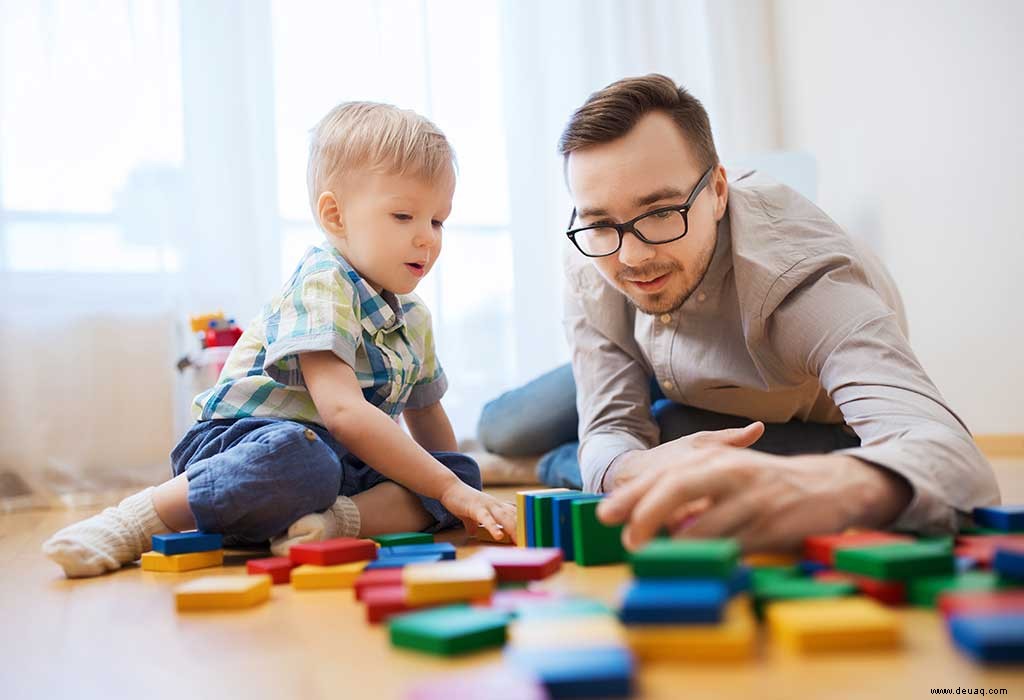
x: 476, y: 509
x: 631, y: 464
x: 764, y: 501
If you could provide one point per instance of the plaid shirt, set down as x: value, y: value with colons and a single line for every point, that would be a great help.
x: 326, y: 305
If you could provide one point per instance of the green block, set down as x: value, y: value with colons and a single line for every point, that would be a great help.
x: 568, y: 607
x: 451, y: 630
x: 593, y: 541
x: 684, y: 558
x: 796, y: 588
x: 397, y: 538
x: 978, y: 530
x: 543, y: 520
x: 897, y: 562
x: 760, y: 575
x: 925, y: 591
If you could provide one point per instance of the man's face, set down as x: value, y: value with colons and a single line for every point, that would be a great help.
x: 650, y: 167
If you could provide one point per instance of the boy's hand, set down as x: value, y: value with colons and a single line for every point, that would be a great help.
x: 476, y: 509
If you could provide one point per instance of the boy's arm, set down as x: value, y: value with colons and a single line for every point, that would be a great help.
x: 379, y: 441
x: 431, y: 428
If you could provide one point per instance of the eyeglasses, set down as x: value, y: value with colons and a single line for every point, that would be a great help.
x: 663, y: 225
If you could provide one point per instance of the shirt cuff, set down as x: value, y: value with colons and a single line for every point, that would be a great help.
x: 429, y: 393
x: 928, y: 512
x: 287, y: 347
x: 598, y: 451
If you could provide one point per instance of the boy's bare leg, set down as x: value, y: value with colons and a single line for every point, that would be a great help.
x: 388, y: 507
x: 170, y: 499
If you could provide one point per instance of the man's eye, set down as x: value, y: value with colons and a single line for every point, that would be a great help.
x: 403, y: 217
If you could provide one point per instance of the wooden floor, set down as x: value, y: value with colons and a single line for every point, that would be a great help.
x: 119, y: 636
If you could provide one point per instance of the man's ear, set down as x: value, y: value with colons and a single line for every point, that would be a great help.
x: 720, y: 186
x: 329, y: 213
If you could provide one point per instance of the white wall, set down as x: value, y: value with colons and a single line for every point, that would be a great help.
x: 914, y: 111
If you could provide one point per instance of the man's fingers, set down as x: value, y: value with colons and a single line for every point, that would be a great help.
x: 734, y: 437
x: 722, y: 520
x: 616, y: 507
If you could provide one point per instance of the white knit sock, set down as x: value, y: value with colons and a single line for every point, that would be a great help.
x: 107, y: 540
x: 340, y: 520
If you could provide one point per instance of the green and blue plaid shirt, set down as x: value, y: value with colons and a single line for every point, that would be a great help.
x: 326, y: 305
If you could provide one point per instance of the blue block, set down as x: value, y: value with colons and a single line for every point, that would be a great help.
x: 185, y: 542
x: 963, y: 564
x: 528, y: 504
x: 996, y: 637
x: 673, y: 601
x: 741, y: 580
x: 809, y: 567
x: 445, y: 549
x: 1005, y: 518
x: 397, y: 561
x: 1009, y: 562
x: 561, y: 522
x: 605, y: 672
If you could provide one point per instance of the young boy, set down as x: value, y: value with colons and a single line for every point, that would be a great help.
x: 311, y: 394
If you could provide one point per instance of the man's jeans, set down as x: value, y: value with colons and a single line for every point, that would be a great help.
x: 541, y: 418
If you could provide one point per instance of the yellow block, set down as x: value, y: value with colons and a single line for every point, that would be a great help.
x: 564, y: 633
x: 222, y: 592
x: 447, y: 581
x: 831, y: 624
x: 310, y: 576
x: 156, y: 561
x: 771, y: 559
x: 731, y: 640
x: 521, y: 512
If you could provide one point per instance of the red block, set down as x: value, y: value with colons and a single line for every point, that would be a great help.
x: 822, y: 548
x: 888, y: 592
x: 522, y: 563
x: 377, y: 577
x: 384, y: 601
x: 330, y: 552
x: 981, y: 602
x: 982, y: 548
x: 279, y: 568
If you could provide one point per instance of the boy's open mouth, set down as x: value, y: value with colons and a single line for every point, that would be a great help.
x: 416, y: 268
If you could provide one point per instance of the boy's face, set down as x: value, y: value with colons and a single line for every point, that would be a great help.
x: 651, y: 166
x: 388, y: 226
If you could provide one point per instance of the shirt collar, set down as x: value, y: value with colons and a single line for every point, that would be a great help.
x: 378, y: 311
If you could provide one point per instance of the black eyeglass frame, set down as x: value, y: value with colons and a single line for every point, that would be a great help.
x: 630, y: 226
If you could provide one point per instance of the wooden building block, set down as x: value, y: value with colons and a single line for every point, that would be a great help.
x: 561, y: 522
x: 686, y: 558
x: 834, y: 624
x: 1002, y: 518
x: 822, y: 548
x: 990, y: 637
x: 448, y: 581
x: 331, y: 552
x: 514, y: 564
x: 186, y: 542
x: 155, y: 561
x: 798, y: 588
x: 399, y: 538
x: 543, y: 522
x: 310, y: 576
x: 373, y: 578
x: 278, y: 568
x: 594, y: 542
x: 886, y: 592
x: 605, y: 672
x: 673, y: 601
x: 1009, y: 563
x: 222, y: 592
x: 925, y: 591
x: 449, y: 630
x: 771, y: 559
x: 524, y: 515
x: 566, y: 632
x: 445, y: 549
x: 981, y: 602
x: 732, y: 640
x: 565, y: 607
x: 897, y: 562
x: 384, y: 602
x: 484, y: 536
x: 512, y: 600
x: 401, y: 561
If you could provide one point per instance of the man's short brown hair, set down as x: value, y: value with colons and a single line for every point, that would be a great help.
x: 610, y: 113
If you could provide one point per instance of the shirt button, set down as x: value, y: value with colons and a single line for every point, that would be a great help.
x: 666, y: 319
x: 701, y: 296
x: 310, y: 435
x: 667, y: 384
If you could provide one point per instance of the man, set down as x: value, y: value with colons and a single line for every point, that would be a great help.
x: 744, y: 302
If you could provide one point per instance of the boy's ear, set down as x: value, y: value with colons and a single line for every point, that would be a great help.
x: 329, y: 214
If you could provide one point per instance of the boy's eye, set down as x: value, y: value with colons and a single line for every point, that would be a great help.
x: 437, y: 224
x: 402, y: 217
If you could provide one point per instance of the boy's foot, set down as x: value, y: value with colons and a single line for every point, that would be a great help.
x: 340, y: 520
x: 107, y: 540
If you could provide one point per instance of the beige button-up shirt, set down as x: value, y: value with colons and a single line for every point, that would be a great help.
x: 793, y: 321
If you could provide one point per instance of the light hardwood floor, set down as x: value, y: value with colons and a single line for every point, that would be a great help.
x: 119, y: 636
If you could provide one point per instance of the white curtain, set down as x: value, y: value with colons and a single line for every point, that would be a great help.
x: 152, y: 166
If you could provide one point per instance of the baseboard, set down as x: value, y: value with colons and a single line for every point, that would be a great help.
x: 1001, y: 444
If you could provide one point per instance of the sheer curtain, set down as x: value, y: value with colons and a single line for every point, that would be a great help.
x: 152, y: 163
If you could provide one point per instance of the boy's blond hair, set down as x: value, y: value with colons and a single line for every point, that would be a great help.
x: 377, y: 137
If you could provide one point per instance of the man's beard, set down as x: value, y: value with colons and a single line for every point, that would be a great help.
x: 661, y: 302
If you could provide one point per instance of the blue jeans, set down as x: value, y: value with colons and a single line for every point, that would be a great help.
x: 250, y: 478
x: 541, y: 418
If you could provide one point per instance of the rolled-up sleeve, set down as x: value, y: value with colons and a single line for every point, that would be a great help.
x: 612, y: 380
x: 835, y: 327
